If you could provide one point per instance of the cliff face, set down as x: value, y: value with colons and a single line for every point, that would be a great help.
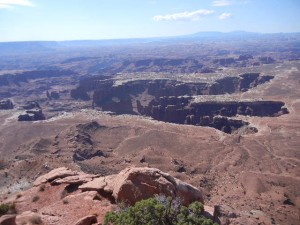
x: 156, y: 65
x: 104, y: 88
x: 32, y: 115
x: 6, y: 104
x: 241, y: 83
x: 210, y: 113
x: 171, y: 100
x: 8, y: 79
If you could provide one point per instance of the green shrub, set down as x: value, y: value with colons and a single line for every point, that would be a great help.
x: 4, y: 209
x: 158, y: 211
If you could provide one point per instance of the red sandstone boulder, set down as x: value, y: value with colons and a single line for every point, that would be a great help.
x: 61, y: 172
x: 8, y: 220
x: 87, y: 220
x: 134, y: 184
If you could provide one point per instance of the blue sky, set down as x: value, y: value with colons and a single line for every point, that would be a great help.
x: 25, y: 20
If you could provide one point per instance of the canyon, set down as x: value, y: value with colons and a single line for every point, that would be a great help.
x: 221, y: 116
x: 172, y: 100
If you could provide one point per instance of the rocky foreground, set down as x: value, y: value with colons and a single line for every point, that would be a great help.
x: 68, y: 197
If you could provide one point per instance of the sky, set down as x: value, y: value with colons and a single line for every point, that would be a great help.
x: 58, y: 20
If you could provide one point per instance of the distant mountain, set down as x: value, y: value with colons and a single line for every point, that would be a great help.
x: 239, y: 34
x: 48, y: 46
x: 27, y: 46
x: 221, y: 34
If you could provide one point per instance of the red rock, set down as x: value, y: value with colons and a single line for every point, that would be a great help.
x: 134, y: 184
x: 94, y: 185
x: 8, y: 220
x: 81, y: 178
x: 88, y: 220
x: 61, y: 172
x: 28, y: 217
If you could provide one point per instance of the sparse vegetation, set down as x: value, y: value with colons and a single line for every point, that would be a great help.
x: 19, y: 195
x: 65, y: 201
x: 4, y: 209
x: 42, y: 187
x: 159, y: 211
x: 7, y: 208
x: 35, y: 198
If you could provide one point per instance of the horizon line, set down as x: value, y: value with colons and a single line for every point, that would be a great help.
x: 154, y: 37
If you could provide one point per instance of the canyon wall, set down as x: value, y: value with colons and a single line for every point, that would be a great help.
x: 172, y: 100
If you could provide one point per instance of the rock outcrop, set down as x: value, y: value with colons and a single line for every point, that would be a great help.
x: 224, y: 214
x: 8, y: 220
x: 68, y: 197
x: 6, y: 104
x: 130, y: 185
x: 224, y: 61
x: 16, y: 79
x: 134, y: 184
x: 64, y: 196
x: 58, y: 173
x: 87, y: 220
x: 266, y: 60
x: 31, y: 105
x: 209, y: 113
x: 32, y: 115
x: 82, y: 142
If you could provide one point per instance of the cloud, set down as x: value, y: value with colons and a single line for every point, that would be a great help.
x: 220, y: 3
x: 184, y: 16
x: 8, y: 4
x: 2, y: 6
x: 225, y: 16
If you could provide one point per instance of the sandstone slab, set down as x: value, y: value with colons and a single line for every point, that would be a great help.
x: 8, y: 220
x: 61, y: 172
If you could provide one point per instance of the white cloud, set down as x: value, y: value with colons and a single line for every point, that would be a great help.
x: 219, y: 3
x: 225, y: 16
x: 2, y: 6
x: 195, y: 15
x: 8, y: 4
x: 222, y: 3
